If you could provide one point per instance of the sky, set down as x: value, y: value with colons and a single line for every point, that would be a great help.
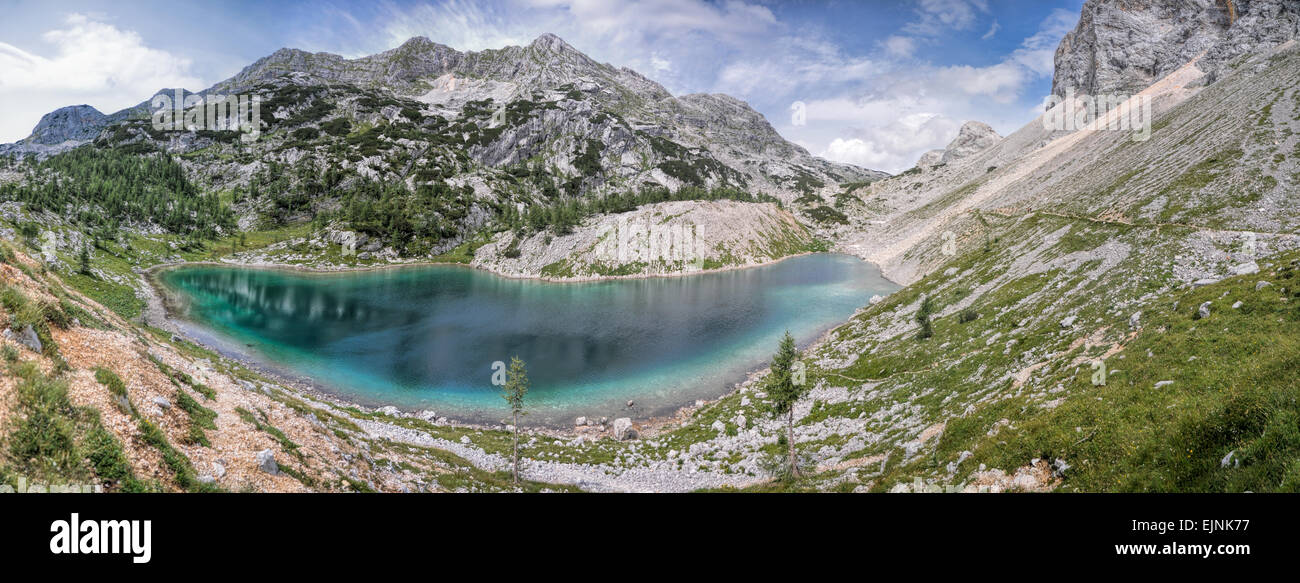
x: 877, y: 82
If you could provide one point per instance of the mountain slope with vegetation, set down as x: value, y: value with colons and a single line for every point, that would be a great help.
x: 1082, y: 311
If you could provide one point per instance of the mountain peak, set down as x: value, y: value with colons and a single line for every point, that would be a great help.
x: 551, y: 42
x: 71, y: 123
x: 417, y: 42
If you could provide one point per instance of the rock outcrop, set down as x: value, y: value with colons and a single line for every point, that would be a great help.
x: 973, y: 138
x: 1123, y: 46
x: 72, y: 123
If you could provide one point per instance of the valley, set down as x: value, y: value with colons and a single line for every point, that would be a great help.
x: 1050, y: 310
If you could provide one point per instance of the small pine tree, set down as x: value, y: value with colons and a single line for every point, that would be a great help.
x: 923, y: 318
x: 515, y: 388
x: 785, y: 391
x: 84, y: 260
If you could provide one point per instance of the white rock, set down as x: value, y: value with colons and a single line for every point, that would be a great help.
x: 266, y: 462
x: 1246, y: 269
x: 623, y: 429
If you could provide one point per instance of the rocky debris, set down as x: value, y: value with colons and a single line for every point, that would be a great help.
x: 1236, y: 305
x: 390, y: 411
x: 162, y: 403
x: 623, y: 429
x: 1161, y: 384
x: 1068, y: 322
x: 686, y: 234
x: 1261, y: 285
x: 1135, y: 321
x: 427, y: 415
x: 1204, y: 310
x: 266, y: 462
x: 1205, y: 281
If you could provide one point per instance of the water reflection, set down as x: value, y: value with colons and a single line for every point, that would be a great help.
x: 427, y: 336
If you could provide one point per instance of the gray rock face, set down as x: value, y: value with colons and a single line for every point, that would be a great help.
x: 931, y: 158
x: 973, y: 138
x: 73, y: 123
x: 28, y: 337
x: 1122, y: 46
x: 266, y: 462
x: 1246, y: 269
x: 728, y: 141
x: 623, y: 429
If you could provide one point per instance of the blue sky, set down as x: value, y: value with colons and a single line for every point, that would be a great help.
x: 881, y: 82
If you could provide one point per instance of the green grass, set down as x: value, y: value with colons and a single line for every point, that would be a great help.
x: 54, y: 441
x: 1236, y: 389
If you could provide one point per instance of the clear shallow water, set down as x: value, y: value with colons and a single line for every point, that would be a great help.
x: 426, y: 337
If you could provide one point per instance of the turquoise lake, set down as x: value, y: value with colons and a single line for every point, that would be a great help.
x: 426, y: 337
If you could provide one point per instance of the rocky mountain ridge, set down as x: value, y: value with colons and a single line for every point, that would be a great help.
x: 1123, y: 46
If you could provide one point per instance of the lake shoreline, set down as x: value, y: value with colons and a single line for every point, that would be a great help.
x: 164, y: 310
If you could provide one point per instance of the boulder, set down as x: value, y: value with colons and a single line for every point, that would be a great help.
x: 162, y: 403
x: 1246, y: 269
x: 30, y: 339
x: 1204, y: 310
x: 266, y: 462
x: 623, y: 429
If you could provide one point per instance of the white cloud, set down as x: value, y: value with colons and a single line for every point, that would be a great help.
x: 894, y: 145
x: 729, y: 19
x: 993, y: 30
x: 937, y: 16
x: 93, y: 63
x: 900, y: 46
